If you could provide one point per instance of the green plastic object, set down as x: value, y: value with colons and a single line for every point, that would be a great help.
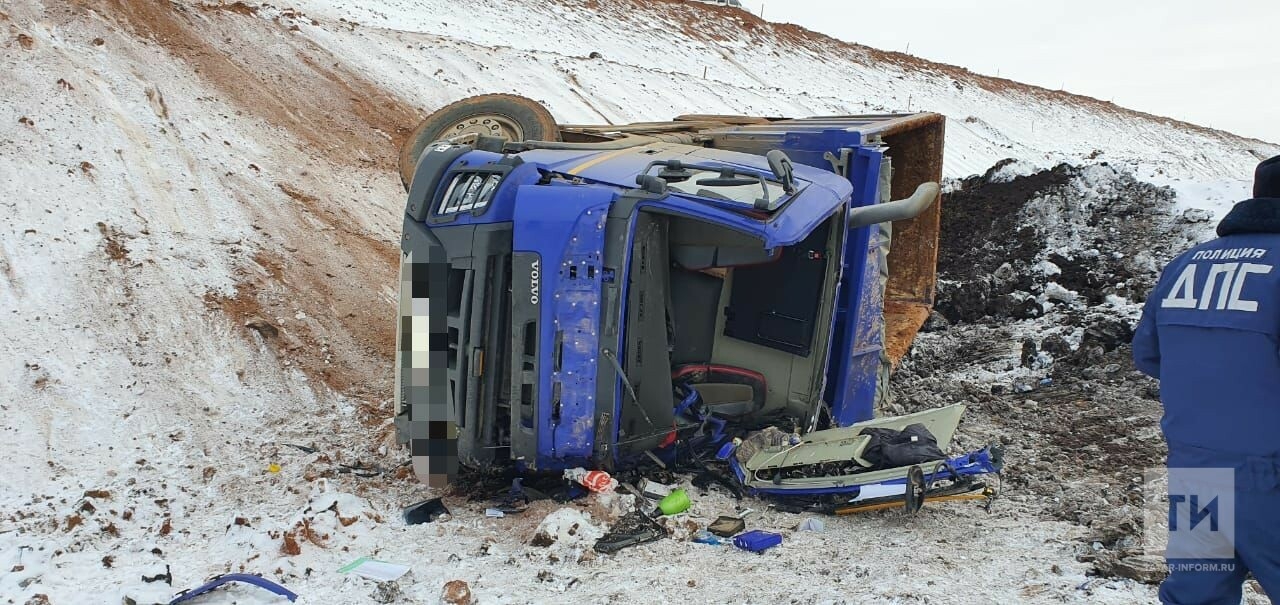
x: 674, y: 503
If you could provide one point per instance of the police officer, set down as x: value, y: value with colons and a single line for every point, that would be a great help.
x: 1210, y: 332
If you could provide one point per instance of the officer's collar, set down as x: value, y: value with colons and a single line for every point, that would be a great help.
x: 1257, y: 215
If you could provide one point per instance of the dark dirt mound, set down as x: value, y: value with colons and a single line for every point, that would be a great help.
x: 984, y: 207
x: 1040, y: 279
x: 1096, y: 228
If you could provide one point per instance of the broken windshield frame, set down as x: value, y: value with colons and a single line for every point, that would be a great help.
x: 742, y: 188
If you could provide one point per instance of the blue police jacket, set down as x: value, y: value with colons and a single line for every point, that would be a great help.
x: 1210, y: 331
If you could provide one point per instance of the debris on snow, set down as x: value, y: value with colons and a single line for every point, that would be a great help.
x: 173, y: 246
x: 456, y: 592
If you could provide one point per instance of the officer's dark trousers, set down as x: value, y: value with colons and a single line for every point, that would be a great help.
x: 1257, y: 545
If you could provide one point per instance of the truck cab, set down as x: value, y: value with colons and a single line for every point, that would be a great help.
x: 563, y: 303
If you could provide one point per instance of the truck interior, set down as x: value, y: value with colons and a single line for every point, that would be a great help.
x: 712, y: 309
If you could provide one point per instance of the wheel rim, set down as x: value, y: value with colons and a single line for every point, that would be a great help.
x: 489, y: 125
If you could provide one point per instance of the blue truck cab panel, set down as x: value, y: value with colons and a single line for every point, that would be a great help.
x: 559, y: 303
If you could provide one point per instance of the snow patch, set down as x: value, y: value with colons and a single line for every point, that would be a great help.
x: 1047, y: 268
x: 1056, y: 292
x: 568, y: 532
x: 1012, y: 170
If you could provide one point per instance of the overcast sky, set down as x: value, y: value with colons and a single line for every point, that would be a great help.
x: 1212, y: 63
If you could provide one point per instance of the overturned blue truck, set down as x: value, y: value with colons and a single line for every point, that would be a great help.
x: 601, y: 296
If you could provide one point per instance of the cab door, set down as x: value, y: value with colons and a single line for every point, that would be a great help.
x: 557, y: 276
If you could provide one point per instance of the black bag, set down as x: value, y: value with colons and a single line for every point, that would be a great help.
x: 890, y: 448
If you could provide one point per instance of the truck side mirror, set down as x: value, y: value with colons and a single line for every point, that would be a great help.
x: 651, y: 184
x: 780, y: 164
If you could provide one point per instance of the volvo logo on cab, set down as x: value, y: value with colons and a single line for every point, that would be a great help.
x: 535, y: 277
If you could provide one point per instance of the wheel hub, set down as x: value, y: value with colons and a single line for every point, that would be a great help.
x: 489, y: 125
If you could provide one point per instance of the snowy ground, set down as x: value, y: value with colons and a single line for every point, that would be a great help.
x: 197, y: 266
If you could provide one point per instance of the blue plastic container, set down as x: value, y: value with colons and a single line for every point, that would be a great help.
x: 757, y: 540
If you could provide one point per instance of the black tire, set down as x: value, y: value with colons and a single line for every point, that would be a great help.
x: 511, y: 116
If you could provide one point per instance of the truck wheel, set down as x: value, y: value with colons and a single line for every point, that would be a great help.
x: 512, y: 117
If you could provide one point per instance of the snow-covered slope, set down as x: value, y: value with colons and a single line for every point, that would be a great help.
x: 659, y: 59
x: 197, y: 263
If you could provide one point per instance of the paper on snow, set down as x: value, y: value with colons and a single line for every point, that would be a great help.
x: 374, y: 569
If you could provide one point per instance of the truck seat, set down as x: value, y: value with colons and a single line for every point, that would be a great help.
x: 727, y: 391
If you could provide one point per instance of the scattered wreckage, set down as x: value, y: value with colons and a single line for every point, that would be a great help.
x: 715, y: 288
